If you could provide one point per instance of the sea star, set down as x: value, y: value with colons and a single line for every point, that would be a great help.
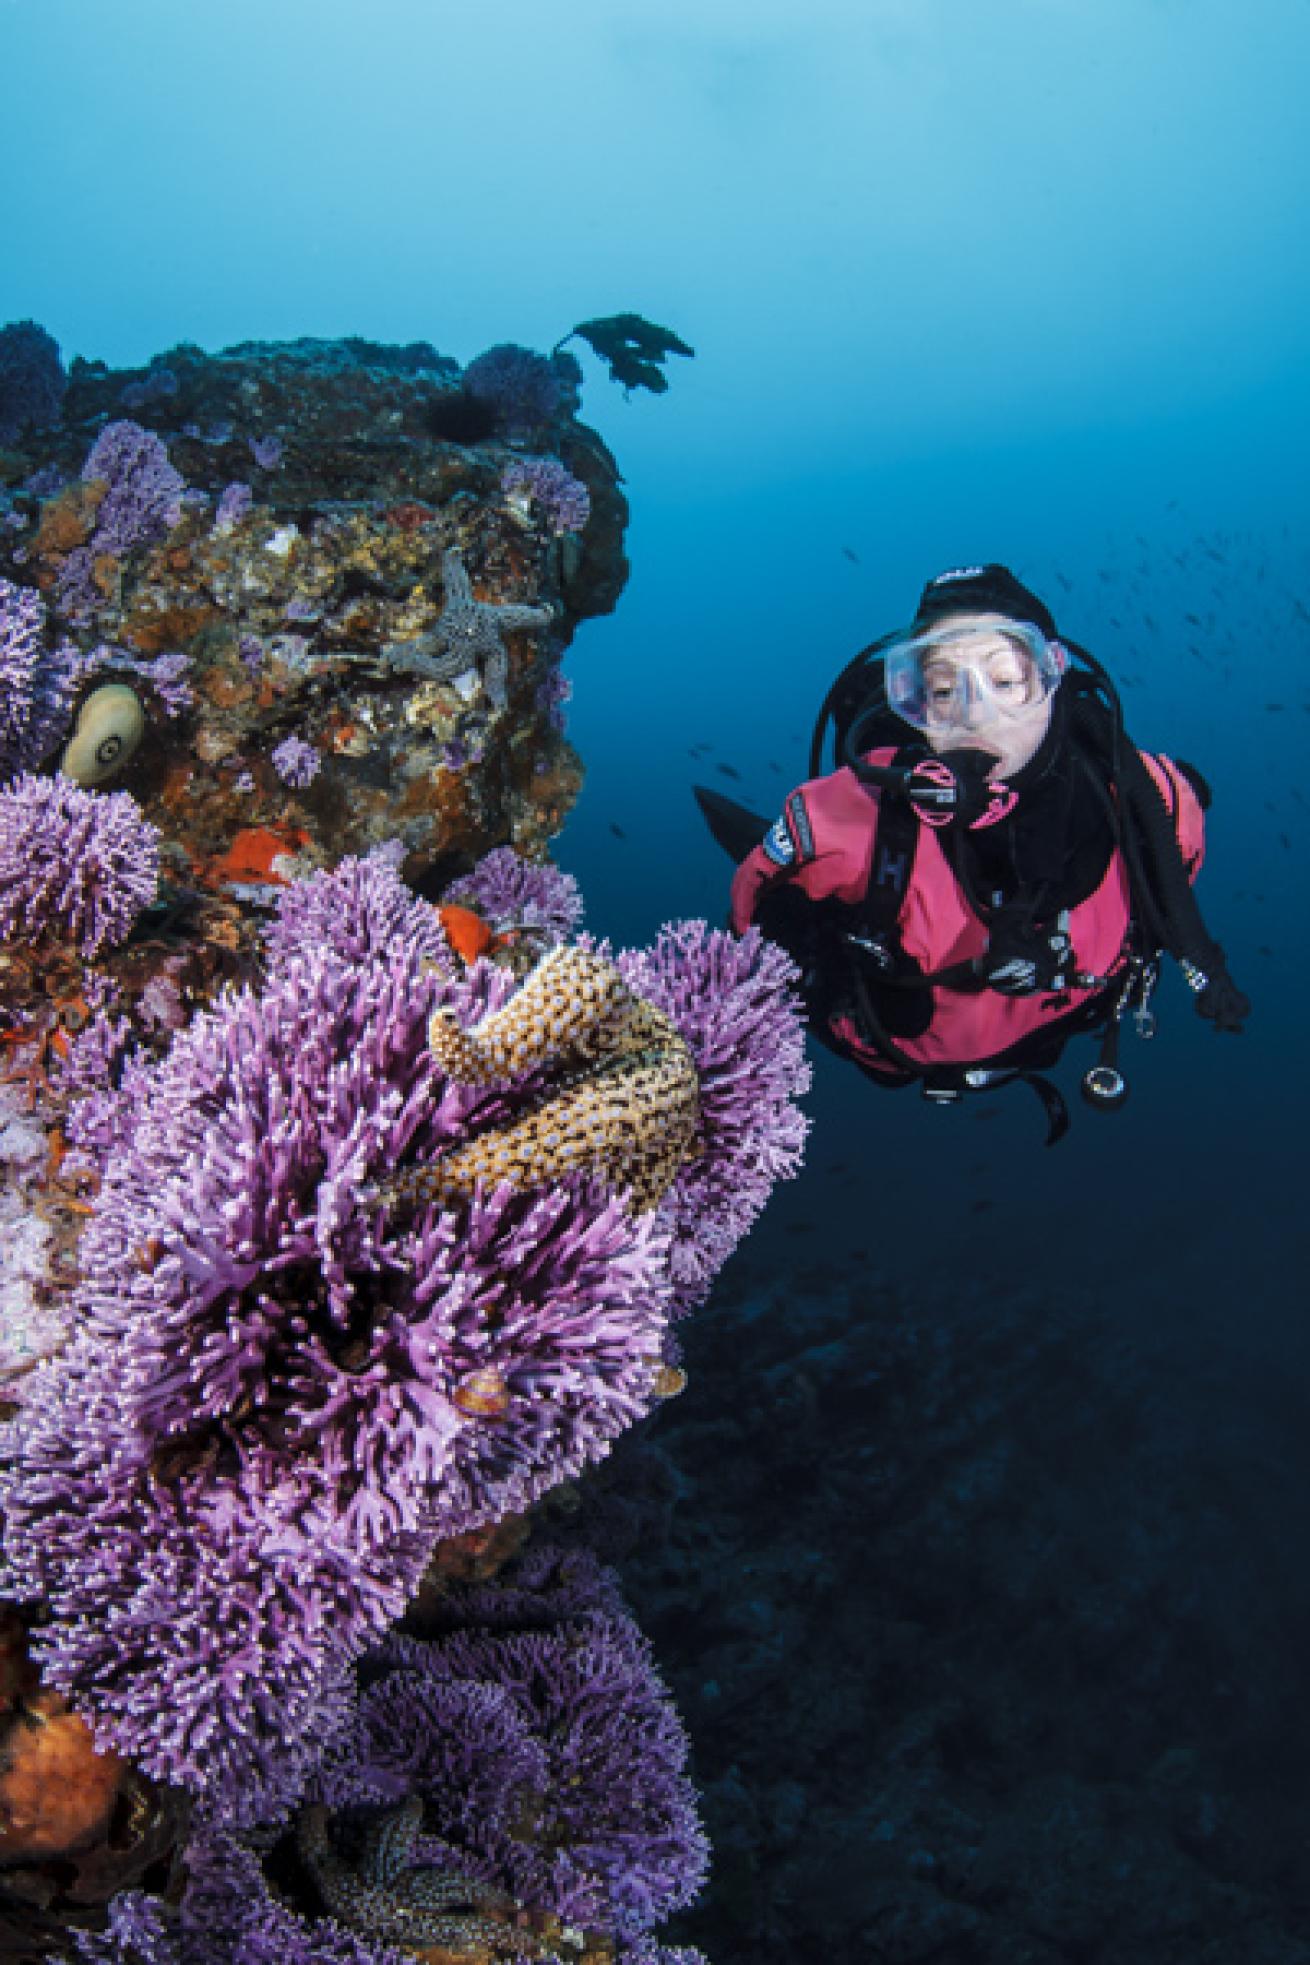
x: 620, y: 1097
x: 386, y: 1895
x: 468, y: 634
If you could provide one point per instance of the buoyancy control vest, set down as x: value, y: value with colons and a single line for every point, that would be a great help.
x: 891, y: 939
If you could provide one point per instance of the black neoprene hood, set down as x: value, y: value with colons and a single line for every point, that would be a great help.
x: 990, y: 589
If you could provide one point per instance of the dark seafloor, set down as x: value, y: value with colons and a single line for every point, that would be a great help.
x: 990, y: 1646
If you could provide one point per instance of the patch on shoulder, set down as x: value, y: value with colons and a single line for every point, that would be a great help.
x: 777, y: 844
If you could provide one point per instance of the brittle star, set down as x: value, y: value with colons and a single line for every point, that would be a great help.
x: 468, y: 634
x: 386, y: 1895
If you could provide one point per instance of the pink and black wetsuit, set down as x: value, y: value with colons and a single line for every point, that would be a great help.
x: 833, y: 849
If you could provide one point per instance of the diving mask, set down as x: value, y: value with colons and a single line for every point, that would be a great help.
x: 960, y: 675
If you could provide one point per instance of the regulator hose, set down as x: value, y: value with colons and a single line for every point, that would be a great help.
x: 1161, y: 890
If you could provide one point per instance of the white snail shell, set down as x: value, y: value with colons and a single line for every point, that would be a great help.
x: 108, y: 730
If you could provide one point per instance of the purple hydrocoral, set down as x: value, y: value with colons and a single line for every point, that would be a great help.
x: 235, y: 502
x: 229, y: 1915
x: 734, y: 1003
x: 32, y: 380
x: 139, y: 1932
x: 549, y: 1757
x: 519, y: 386
x: 36, y: 688
x: 564, y: 501
x: 512, y: 894
x: 546, y: 1586
x: 296, y: 762
x: 167, y: 675
x: 75, y: 866
x: 22, y: 619
x: 102, y: 1078
x: 277, y: 1401
x: 143, y: 496
x: 361, y: 909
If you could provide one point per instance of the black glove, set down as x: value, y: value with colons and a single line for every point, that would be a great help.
x: 1218, y: 998
x: 806, y: 930
x: 1023, y: 960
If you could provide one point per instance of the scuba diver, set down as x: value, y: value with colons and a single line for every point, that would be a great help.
x: 992, y: 866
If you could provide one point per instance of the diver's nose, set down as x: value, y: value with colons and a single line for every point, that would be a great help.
x: 973, y: 705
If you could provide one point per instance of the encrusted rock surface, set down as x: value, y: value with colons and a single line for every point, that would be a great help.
x: 305, y: 564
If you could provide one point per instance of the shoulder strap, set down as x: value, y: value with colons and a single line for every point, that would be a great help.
x: 895, y: 845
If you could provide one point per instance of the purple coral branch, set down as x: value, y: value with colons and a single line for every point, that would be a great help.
x: 142, y: 501
x: 75, y: 865
x: 514, y: 894
x: 232, y: 1480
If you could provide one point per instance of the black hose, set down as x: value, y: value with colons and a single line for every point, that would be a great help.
x: 1186, y: 937
x: 1162, y: 893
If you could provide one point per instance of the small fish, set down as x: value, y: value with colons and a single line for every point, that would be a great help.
x: 854, y: 558
x: 617, y: 831
x: 1275, y: 706
x: 1262, y: 950
x: 728, y: 771
x: 774, y: 766
x: 697, y: 750
x: 1285, y: 840
x: 468, y: 934
x: 980, y: 1206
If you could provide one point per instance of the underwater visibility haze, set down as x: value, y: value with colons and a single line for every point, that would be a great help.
x: 510, y: 1448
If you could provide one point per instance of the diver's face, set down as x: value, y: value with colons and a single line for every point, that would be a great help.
x: 982, y: 692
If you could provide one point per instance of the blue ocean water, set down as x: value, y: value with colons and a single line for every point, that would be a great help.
x: 1023, y: 283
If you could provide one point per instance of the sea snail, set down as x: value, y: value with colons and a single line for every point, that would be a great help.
x: 109, y: 727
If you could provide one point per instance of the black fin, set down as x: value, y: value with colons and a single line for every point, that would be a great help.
x: 736, y: 828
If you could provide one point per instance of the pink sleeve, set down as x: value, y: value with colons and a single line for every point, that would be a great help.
x: 823, y: 843
x: 756, y: 872
x: 1184, y: 809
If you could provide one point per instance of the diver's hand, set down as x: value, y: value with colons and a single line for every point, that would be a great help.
x: 1218, y: 999
x: 1021, y: 959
